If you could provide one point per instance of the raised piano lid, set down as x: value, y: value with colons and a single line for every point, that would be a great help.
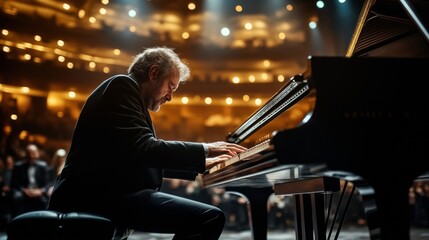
x: 391, y: 28
x: 293, y: 91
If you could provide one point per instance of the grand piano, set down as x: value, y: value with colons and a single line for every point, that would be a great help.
x: 368, y: 125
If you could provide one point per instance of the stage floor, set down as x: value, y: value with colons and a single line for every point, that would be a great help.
x: 351, y: 233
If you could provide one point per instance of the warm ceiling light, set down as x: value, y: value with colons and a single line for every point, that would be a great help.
x: 66, y: 6
x: 6, y: 49
x: 92, y: 64
x: 81, y: 13
x: 106, y: 69
x: 117, y: 52
x: 185, y: 35
x: 280, y: 78
x: 20, y: 46
x: 5, y: 32
x: 27, y: 56
x: 236, y: 80
x: 23, y: 134
x: 102, y: 11
x: 39, y: 48
x: 105, y: 2
x: 25, y: 89
x: 208, y: 100
x: 37, y: 38
x: 61, y: 58
x: 185, y: 100
x: 248, y: 26
x: 72, y: 94
x: 60, y: 43
x: 289, y: 7
x: 132, y: 29
x: 266, y: 63
x: 282, y: 35
x: 238, y: 8
x: 246, y: 98
x: 13, y: 116
x: 92, y: 19
x: 192, y: 6
x: 28, y: 45
x: 252, y: 78
x: 258, y: 101
x: 228, y: 100
x: 70, y: 65
x: 264, y: 76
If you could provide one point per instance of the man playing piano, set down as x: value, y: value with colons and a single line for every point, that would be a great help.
x: 116, y: 163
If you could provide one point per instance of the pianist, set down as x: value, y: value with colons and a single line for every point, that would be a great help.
x: 116, y: 164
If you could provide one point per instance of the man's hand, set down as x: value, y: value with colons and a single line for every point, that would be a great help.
x: 221, y: 148
x: 211, y: 162
x: 33, y: 192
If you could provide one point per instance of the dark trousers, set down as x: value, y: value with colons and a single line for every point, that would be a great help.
x: 152, y: 211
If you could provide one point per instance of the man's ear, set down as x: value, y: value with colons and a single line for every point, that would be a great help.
x: 153, y: 72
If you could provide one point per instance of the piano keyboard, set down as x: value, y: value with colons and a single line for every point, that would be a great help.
x: 265, y: 145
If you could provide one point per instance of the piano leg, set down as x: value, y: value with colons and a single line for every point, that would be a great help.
x: 258, y: 212
x: 309, y: 216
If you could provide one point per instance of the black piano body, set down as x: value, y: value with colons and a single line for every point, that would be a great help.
x: 369, y: 120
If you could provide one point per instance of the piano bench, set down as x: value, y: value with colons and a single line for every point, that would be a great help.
x: 52, y: 225
x: 308, y: 184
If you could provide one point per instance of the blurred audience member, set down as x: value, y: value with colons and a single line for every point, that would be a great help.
x: 6, y: 174
x: 30, y: 182
x: 57, y: 165
x: 6, y: 167
x: 58, y: 161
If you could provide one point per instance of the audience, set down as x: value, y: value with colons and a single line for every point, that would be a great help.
x: 25, y: 186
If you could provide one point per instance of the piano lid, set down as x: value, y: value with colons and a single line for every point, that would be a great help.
x: 293, y: 91
x: 391, y: 28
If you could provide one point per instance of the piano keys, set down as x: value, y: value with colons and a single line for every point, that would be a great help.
x: 249, y: 154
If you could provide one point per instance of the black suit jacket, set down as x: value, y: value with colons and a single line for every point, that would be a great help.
x: 114, y: 150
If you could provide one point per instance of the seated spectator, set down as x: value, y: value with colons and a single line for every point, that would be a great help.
x: 30, y: 183
x: 56, y: 166
x: 5, y: 199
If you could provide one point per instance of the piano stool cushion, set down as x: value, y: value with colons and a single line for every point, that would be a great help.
x: 50, y: 225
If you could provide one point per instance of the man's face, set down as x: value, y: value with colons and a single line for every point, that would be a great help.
x: 32, y: 153
x: 160, y: 91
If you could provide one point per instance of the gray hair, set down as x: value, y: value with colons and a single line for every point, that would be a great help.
x: 163, y: 57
